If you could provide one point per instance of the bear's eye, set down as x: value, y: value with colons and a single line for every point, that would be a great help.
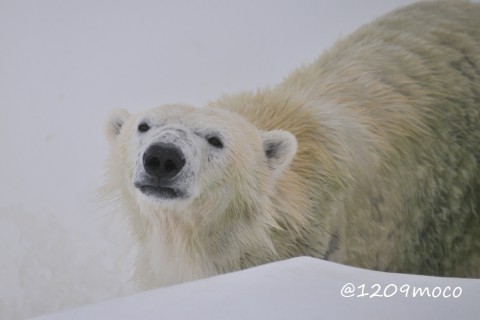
x: 216, y: 142
x: 143, y: 127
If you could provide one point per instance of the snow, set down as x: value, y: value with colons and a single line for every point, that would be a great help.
x: 65, y: 64
x: 300, y: 288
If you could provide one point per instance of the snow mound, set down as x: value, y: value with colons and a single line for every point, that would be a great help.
x: 300, y: 288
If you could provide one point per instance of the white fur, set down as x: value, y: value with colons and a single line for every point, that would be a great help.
x: 218, y: 226
x: 368, y: 157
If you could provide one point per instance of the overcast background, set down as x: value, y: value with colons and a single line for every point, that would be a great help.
x: 65, y: 64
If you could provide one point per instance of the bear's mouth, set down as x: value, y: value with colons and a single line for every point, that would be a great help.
x: 159, y: 192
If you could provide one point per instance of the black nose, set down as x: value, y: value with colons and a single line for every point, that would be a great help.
x: 163, y: 160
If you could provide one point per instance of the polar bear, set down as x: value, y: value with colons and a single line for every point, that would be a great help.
x: 369, y: 157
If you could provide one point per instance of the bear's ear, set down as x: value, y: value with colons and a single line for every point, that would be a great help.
x: 280, y: 148
x: 115, y: 121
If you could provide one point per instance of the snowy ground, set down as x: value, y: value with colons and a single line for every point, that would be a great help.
x: 300, y: 288
x: 65, y: 64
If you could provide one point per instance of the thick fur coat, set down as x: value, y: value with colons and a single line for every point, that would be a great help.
x: 369, y: 157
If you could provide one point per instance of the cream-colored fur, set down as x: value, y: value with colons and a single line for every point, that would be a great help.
x: 370, y: 157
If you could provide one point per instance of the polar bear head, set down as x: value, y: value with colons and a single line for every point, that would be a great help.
x: 183, y: 159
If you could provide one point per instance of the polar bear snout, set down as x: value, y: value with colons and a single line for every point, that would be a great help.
x: 160, y: 170
x: 163, y: 161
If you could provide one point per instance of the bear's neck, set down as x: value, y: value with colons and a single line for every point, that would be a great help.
x: 180, y: 246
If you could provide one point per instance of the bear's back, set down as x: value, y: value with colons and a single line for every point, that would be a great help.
x: 388, y: 141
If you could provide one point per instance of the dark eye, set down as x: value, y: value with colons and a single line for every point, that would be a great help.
x: 216, y: 142
x: 143, y: 127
